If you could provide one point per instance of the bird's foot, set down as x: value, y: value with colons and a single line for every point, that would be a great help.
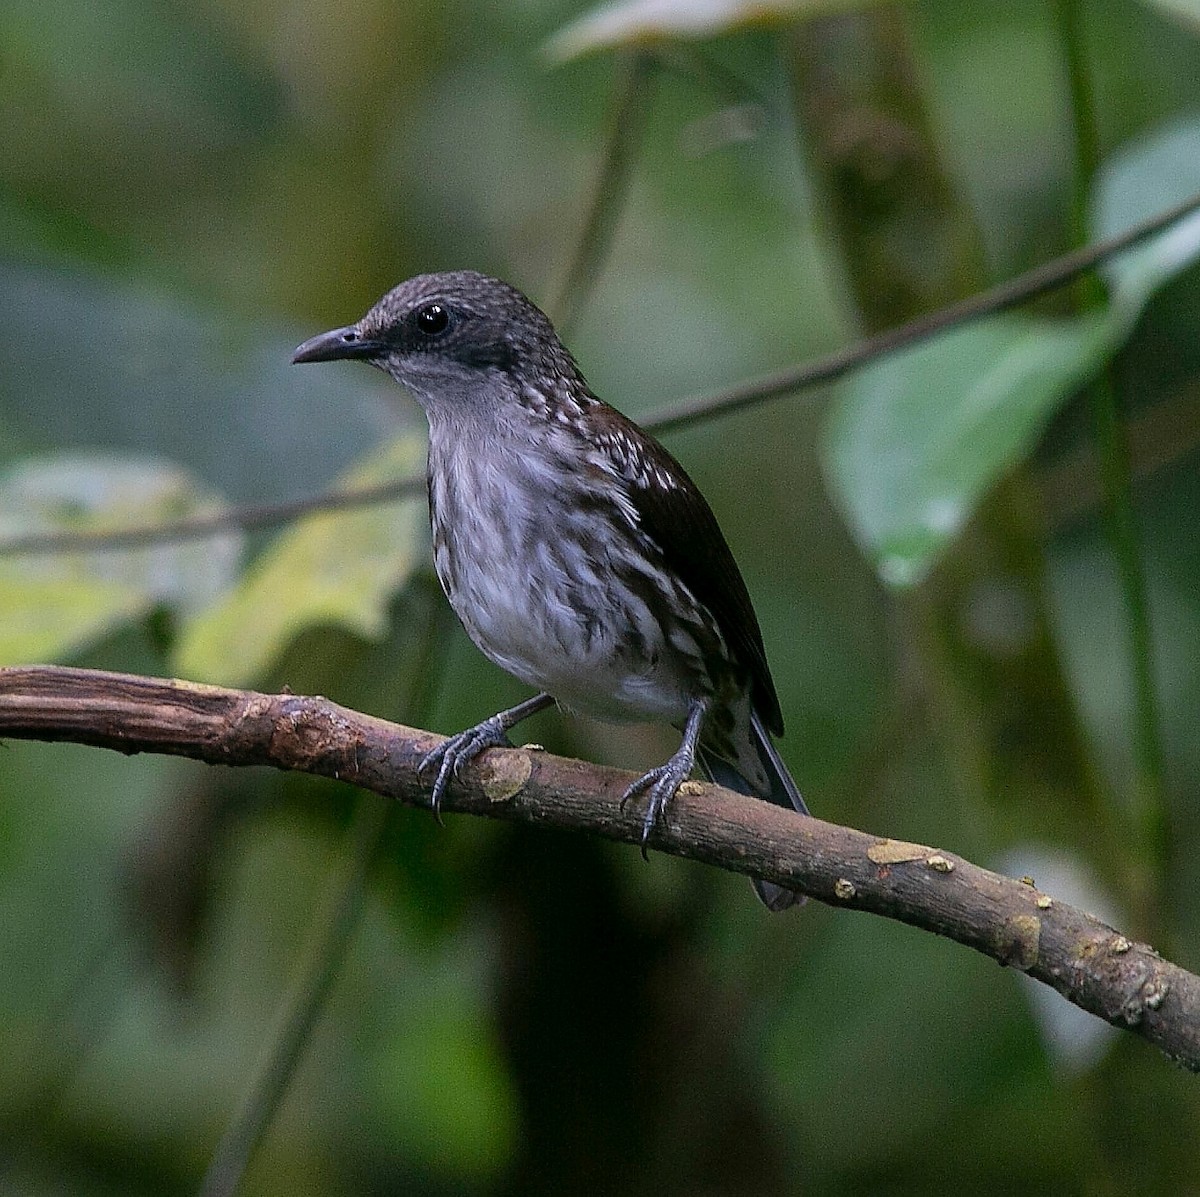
x: 451, y: 755
x: 660, y: 786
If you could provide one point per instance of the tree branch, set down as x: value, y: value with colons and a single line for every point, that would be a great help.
x: 1125, y: 983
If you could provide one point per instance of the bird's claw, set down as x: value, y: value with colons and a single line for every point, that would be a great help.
x: 660, y: 785
x: 452, y: 754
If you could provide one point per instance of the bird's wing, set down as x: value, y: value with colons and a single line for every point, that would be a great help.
x: 674, y: 514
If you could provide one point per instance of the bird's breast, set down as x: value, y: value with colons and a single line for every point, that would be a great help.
x: 552, y: 582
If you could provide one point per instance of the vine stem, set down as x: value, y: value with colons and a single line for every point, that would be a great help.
x: 330, y: 937
x: 1149, y: 804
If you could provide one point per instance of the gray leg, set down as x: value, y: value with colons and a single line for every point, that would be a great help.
x: 450, y: 755
x: 661, y: 783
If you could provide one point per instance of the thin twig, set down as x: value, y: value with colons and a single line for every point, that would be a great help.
x: 196, y: 527
x: 1100, y: 970
x: 1025, y: 287
x: 1033, y: 283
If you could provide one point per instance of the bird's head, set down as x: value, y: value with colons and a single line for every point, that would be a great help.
x: 444, y: 336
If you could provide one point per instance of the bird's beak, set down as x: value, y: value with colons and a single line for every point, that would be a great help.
x: 335, y: 346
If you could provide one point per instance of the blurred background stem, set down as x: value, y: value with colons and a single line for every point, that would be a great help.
x: 332, y: 930
x: 633, y: 99
x: 908, y: 243
x: 1148, y: 806
x: 331, y: 933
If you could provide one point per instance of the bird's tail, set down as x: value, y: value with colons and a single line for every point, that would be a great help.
x: 783, y: 792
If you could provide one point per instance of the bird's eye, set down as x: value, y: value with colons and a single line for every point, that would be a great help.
x: 433, y: 319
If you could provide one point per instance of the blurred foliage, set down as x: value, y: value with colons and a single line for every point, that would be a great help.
x: 660, y: 22
x: 910, y: 460
x: 330, y: 569
x: 188, y: 191
x: 56, y: 604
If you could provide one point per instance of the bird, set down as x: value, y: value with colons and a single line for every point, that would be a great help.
x: 575, y: 550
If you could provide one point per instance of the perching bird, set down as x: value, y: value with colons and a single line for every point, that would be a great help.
x: 575, y: 549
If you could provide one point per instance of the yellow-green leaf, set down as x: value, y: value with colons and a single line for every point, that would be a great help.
x: 333, y: 568
x: 56, y: 603
x: 47, y: 621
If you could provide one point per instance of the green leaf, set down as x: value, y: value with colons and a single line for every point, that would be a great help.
x: 1142, y: 180
x: 56, y: 603
x: 916, y: 440
x: 336, y: 568
x: 48, y: 621
x: 1185, y: 11
x: 642, y: 22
